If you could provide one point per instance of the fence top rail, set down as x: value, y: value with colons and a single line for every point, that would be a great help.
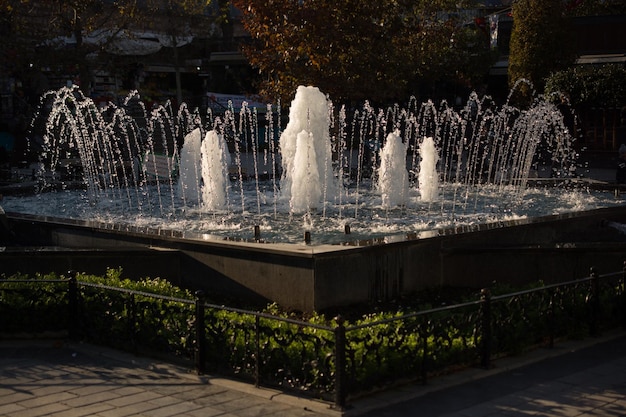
x: 136, y: 292
x: 33, y: 281
x: 172, y: 299
x: 471, y: 303
x: 415, y: 314
x: 557, y: 285
x: 315, y: 325
x: 613, y: 274
x: 269, y: 316
x: 539, y: 289
x: 208, y: 305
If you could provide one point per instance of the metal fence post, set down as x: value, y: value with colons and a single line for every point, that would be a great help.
x: 594, y: 327
x: 624, y: 295
x: 485, y: 360
x: 551, y: 318
x: 340, y: 364
x: 72, y: 305
x: 257, y: 351
x: 200, y: 351
x: 132, y: 322
x: 424, y: 335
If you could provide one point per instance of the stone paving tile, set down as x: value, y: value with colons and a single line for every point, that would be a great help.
x: 43, y: 410
x: 262, y: 410
x: 239, y: 404
x: 8, y: 409
x: 87, y: 382
x: 86, y: 411
x: 205, y: 411
x: 166, y: 401
x: 95, y: 398
x: 15, y: 397
x: 129, y: 410
x: 138, y: 398
x: 51, y: 388
x: 173, y: 409
x: 293, y: 413
x: 92, y: 387
x: 37, y: 401
x: 222, y: 399
x: 123, y: 391
x: 187, y: 391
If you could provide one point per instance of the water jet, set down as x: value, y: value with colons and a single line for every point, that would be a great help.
x: 385, y: 198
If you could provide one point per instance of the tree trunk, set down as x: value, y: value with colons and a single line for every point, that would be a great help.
x: 84, y: 70
x: 179, y: 89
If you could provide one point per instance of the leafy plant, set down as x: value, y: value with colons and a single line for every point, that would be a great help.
x: 591, y: 86
x: 298, y: 353
x: 44, y: 302
x: 539, y: 41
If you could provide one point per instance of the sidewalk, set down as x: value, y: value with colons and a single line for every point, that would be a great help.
x: 574, y: 379
x: 56, y: 378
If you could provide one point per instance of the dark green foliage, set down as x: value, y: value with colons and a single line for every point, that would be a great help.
x: 357, y: 50
x: 44, y: 303
x: 137, y: 321
x: 595, y: 7
x: 589, y: 86
x: 540, y: 41
x: 153, y: 317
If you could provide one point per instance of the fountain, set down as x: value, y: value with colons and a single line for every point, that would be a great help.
x: 428, y: 176
x: 385, y: 178
x: 393, y: 177
x: 308, y: 178
x: 204, y: 170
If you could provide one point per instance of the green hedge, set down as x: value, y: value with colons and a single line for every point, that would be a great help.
x: 278, y: 349
x: 31, y: 306
x: 589, y: 86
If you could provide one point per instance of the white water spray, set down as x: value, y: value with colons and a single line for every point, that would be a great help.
x: 393, y: 177
x: 190, y: 170
x: 306, y: 191
x: 215, y: 162
x: 130, y: 164
x: 308, y: 118
x: 428, y: 178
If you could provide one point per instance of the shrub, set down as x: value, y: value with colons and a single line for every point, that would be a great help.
x: 591, y: 86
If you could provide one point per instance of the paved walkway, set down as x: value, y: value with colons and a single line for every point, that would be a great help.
x: 579, y: 379
x: 56, y: 378
x: 51, y: 378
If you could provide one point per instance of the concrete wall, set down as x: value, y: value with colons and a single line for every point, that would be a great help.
x: 251, y: 275
x: 307, y: 278
x: 93, y: 261
x: 552, y: 249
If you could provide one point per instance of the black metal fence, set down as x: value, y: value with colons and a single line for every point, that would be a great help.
x: 328, y: 360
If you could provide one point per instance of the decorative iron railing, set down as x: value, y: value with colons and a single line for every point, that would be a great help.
x: 328, y: 360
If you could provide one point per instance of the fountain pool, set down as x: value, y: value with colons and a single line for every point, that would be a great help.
x: 325, y: 207
x: 373, y: 173
x: 373, y: 222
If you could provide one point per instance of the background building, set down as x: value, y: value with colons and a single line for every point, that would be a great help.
x: 197, y: 60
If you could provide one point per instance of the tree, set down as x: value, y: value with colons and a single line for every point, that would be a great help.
x: 595, y: 7
x: 589, y: 86
x: 540, y: 41
x: 180, y: 20
x: 64, y: 33
x: 352, y: 49
x: 53, y: 33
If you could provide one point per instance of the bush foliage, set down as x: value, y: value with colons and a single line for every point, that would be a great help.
x: 592, y: 86
x: 275, y: 348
